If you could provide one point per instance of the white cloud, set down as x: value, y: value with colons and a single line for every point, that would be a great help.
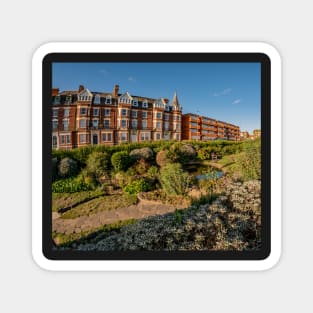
x: 131, y: 79
x: 237, y: 101
x: 223, y: 92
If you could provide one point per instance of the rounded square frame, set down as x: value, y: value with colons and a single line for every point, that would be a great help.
x: 153, y: 265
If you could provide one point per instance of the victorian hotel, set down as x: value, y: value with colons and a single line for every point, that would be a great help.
x: 81, y: 118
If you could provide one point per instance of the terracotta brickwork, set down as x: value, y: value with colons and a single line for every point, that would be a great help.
x: 81, y: 118
x: 196, y: 127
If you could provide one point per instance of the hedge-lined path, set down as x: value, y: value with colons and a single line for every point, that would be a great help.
x: 142, y: 209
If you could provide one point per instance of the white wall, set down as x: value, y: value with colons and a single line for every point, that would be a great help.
x: 27, y: 24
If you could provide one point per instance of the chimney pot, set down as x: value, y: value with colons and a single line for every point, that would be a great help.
x: 81, y: 88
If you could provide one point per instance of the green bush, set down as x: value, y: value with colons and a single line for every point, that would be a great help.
x: 70, y: 185
x: 121, y: 160
x: 67, y: 168
x: 250, y: 160
x: 98, y: 164
x: 137, y: 186
x: 182, y: 153
x: 153, y: 172
x: 173, y: 179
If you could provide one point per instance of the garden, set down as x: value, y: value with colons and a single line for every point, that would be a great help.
x: 97, y: 191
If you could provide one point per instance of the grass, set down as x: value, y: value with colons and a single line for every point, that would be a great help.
x: 90, y: 236
x: 66, y: 200
x: 100, y: 204
x: 230, y: 164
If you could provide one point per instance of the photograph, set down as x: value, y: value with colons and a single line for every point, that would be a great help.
x: 155, y: 156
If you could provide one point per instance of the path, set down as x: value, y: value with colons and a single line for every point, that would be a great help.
x: 85, y: 223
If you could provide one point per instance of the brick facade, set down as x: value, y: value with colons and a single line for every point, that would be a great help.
x: 196, y: 127
x: 81, y: 118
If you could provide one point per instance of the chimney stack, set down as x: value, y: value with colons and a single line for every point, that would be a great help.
x: 115, y: 90
x: 55, y: 91
x: 81, y: 88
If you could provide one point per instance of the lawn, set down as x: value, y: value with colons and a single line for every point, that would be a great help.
x: 67, y: 200
x: 100, y: 204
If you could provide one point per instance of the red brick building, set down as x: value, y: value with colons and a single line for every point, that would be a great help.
x: 196, y: 127
x: 81, y: 118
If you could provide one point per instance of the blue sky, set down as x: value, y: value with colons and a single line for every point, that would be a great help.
x: 226, y: 91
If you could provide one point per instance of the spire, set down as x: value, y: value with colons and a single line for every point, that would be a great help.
x: 175, y: 101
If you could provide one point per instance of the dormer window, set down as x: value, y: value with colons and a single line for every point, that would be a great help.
x: 108, y: 100
x: 167, y: 108
x: 145, y: 104
x: 57, y: 100
x: 68, y: 99
x: 135, y: 103
x: 97, y: 99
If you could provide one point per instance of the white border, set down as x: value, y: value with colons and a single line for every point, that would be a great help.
x: 38, y: 256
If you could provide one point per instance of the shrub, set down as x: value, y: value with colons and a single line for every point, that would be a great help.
x: 142, y: 166
x: 162, y: 158
x: 173, y: 179
x: 70, y: 185
x: 182, y: 153
x: 153, y: 172
x: 143, y: 153
x: 137, y: 186
x: 250, y: 160
x: 121, y: 160
x: 98, y: 164
x: 67, y: 167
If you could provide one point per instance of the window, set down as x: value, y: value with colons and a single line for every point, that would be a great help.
x: 106, y: 123
x: 166, y: 125
x: 158, y: 115
x: 95, y: 112
x: 123, y: 123
x: 177, y: 126
x: 144, y: 124
x: 107, y: 112
x: 66, y: 112
x: 65, y: 139
x: 134, y: 123
x: 166, y: 117
x: 82, y: 124
x: 106, y: 136
x: 124, y: 112
x: 158, y: 136
x: 177, y: 137
x: 95, y: 123
x: 108, y: 100
x: 158, y: 125
x: 145, y: 104
x: 194, y: 124
x: 167, y: 108
x: 83, y: 111
x: 68, y: 99
x: 65, y: 124
x: 57, y: 100
x: 55, y: 112
x: 55, y: 124
x: 123, y: 136
x: 134, y: 114
x: 193, y: 130
x: 54, y: 141
x: 145, y: 136
x: 82, y: 138
x: 144, y: 114
x: 97, y: 99
x: 135, y: 103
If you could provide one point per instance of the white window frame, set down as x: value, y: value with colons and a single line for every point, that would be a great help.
x: 144, y: 114
x: 97, y: 99
x: 145, y: 104
x: 95, y: 110
x: 81, y: 120
x: 107, y: 110
x: 55, y: 112
x: 134, y: 124
x: 134, y: 115
x: 104, y: 126
x: 146, y: 124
